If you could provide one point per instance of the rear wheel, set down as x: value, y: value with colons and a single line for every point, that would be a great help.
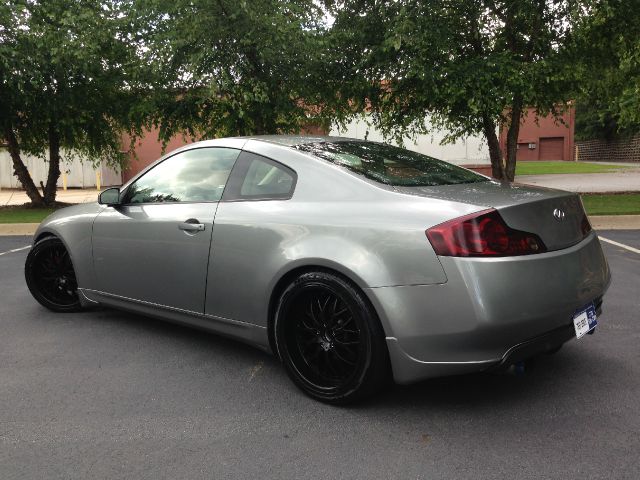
x: 330, y: 339
x: 50, y: 276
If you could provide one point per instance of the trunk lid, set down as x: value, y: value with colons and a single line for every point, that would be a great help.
x: 555, y: 216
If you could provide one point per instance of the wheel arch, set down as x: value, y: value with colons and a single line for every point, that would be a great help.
x: 43, y: 235
x: 287, y: 277
x: 44, y: 240
x: 77, y: 241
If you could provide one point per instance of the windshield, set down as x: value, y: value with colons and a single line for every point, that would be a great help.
x: 391, y: 165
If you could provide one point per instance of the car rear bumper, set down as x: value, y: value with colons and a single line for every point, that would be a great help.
x: 490, y: 311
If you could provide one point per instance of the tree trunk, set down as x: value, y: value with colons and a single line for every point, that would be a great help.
x: 258, y: 125
x: 489, y: 127
x: 512, y: 138
x: 20, y: 170
x: 54, y: 166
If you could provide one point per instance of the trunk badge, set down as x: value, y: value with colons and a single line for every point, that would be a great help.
x: 558, y: 214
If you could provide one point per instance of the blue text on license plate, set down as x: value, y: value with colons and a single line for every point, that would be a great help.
x: 585, y: 320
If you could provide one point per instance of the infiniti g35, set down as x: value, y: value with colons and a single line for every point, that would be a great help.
x: 353, y: 262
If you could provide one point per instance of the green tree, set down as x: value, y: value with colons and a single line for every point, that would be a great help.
x: 230, y: 67
x: 608, y: 57
x: 67, y: 83
x: 468, y: 66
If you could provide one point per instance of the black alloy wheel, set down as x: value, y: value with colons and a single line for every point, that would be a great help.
x: 330, y: 339
x: 50, y: 276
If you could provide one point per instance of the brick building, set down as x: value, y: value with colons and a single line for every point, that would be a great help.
x: 544, y: 138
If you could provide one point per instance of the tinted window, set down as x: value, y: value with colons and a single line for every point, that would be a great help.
x: 266, y: 179
x: 197, y: 175
x: 391, y: 165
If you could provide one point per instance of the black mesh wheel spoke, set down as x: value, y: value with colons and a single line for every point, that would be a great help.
x: 55, y: 276
x: 349, y: 332
x: 323, y: 338
x: 331, y: 367
x: 48, y: 278
x: 341, y: 324
x: 304, y: 326
x: 346, y: 342
x: 343, y: 359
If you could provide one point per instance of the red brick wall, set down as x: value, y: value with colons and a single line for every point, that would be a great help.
x: 147, y: 150
x: 535, y: 128
x: 483, y: 169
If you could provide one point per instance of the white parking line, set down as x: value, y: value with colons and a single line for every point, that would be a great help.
x: 621, y: 245
x: 15, y: 250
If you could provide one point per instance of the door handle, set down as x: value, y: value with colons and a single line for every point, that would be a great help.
x: 191, y: 225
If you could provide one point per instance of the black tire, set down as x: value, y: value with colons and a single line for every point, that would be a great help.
x: 50, y: 276
x: 330, y: 339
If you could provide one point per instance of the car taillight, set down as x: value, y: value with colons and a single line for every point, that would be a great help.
x: 482, y: 234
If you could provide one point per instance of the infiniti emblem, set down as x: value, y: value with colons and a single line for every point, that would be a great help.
x: 558, y: 214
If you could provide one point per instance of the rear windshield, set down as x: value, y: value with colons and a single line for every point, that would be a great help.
x: 391, y: 165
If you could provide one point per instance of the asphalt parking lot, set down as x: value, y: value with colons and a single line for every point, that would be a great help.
x: 105, y: 394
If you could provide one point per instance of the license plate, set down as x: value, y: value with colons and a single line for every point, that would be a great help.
x: 585, y: 320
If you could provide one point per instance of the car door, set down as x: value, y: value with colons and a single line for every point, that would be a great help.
x: 154, y: 246
x: 248, y: 237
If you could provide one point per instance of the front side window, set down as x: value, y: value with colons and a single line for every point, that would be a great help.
x: 391, y: 165
x: 197, y: 175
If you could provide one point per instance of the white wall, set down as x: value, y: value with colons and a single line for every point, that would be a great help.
x: 471, y: 150
x: 79, y: 174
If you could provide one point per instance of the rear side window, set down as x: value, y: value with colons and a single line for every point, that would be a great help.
x: 266, y: 180
x: 391, y: 165
x: 259, y: 178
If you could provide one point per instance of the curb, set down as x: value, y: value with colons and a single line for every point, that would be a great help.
x: 18, y: 228
x: 598, y: 222
x: 615, y: 222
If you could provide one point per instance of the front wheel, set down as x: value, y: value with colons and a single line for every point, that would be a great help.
x: 330, y: 339
x: 50, y: 276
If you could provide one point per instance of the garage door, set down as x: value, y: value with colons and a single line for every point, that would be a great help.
x: 552, y: 148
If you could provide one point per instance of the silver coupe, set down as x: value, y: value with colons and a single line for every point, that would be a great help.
x: 353, y: 262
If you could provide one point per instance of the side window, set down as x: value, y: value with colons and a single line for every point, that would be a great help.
x: 266, y: 179
x: 197, y: 175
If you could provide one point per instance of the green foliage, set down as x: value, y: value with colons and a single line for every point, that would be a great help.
x: 66, y: 65
x: 68, y: 78
x: 232, y: 67
x: 608, y: 58
x: 468, y: 64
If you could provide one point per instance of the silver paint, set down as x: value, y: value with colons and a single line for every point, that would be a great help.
x: 441, y: 315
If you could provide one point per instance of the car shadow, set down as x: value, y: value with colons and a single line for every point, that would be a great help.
x: 192, y: 337
x: 562, y: 374
x: 558, y: 377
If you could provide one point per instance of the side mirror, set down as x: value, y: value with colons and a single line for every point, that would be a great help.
x: 109, y: 197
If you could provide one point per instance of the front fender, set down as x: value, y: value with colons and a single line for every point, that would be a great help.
x: 73, y: 226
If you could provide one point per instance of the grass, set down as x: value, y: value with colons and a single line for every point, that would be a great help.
x: 615, y: 204
x: 544, y: 168
x: 23, y: 214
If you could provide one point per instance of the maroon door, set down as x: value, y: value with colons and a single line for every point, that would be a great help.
x: 552, y: 148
